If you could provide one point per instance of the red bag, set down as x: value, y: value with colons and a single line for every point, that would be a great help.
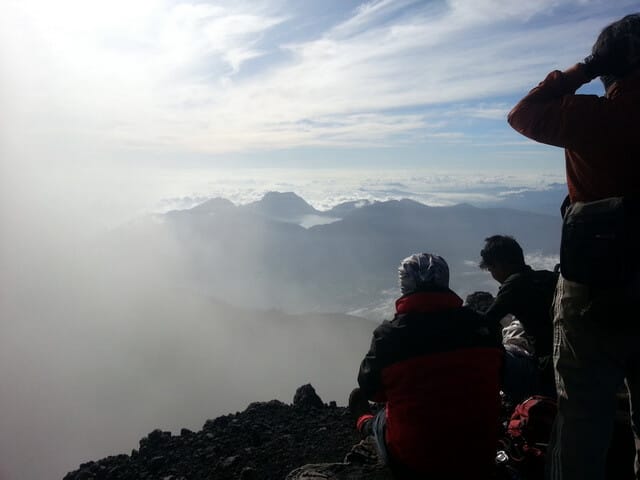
x: 530, y: 424
x: 522, y: 449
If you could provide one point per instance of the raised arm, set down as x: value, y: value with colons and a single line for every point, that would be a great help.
x: 553, y: 114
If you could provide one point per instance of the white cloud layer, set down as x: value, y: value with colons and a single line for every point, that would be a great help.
x: 229, y: 77
x: 325, y: 188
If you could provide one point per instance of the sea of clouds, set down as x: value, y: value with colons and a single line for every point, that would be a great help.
x: 325, y: 188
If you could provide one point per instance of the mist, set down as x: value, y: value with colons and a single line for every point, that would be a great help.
x: 116, y: 321
x: 105, y: 337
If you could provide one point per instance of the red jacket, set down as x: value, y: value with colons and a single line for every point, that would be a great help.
x: 601, y: 135
x: 437, y: 367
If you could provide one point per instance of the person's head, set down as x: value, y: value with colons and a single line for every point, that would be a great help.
x: 423, y: 271
x: 620, y: 41
x: 501, y: 256
x: 479, y: 301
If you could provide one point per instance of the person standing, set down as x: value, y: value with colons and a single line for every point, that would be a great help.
x: 596, y: 332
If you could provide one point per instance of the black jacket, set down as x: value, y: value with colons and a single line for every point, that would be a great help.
x: 528, y: 295
x: 411, y: 335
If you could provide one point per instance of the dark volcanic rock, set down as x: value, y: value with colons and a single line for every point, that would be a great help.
x: 272, y: 440
x: 266, y: 441
x: 306, y: 396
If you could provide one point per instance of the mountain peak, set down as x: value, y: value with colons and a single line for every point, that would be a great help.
x: 264, y: 441
x: 212, y: 205
x: 283, y: 197
x: 273, y: 195
x: 284, y: 204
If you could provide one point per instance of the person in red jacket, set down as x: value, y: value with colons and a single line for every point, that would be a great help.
x: 436, y: 367
x: 596, y: 342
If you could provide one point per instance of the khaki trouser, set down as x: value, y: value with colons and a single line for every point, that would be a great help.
x: 596, y: 348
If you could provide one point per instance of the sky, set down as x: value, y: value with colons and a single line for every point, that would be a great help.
x: 111, y: 108
x: 284, y: 83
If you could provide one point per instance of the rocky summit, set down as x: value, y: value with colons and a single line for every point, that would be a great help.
x: 306, y: 440
x: 269, y: 440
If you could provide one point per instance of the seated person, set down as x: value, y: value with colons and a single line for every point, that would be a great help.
x: 520, y: 375
x: 436, y: 366
x: 526, y: 294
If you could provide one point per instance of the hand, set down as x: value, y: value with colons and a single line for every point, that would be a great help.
x: 596, y: 65
x: 579, y: 73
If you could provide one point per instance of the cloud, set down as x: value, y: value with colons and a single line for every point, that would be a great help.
x: 539, y: 261
x: 368, y: 15
x: 195, y: 77
x: 485, y: 111
x: 164, y: 79
x: 326, y: 188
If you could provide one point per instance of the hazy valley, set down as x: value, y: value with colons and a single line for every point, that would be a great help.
x: 175, y: 318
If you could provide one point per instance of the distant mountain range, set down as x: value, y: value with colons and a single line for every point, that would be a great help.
x: 261, y: 255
